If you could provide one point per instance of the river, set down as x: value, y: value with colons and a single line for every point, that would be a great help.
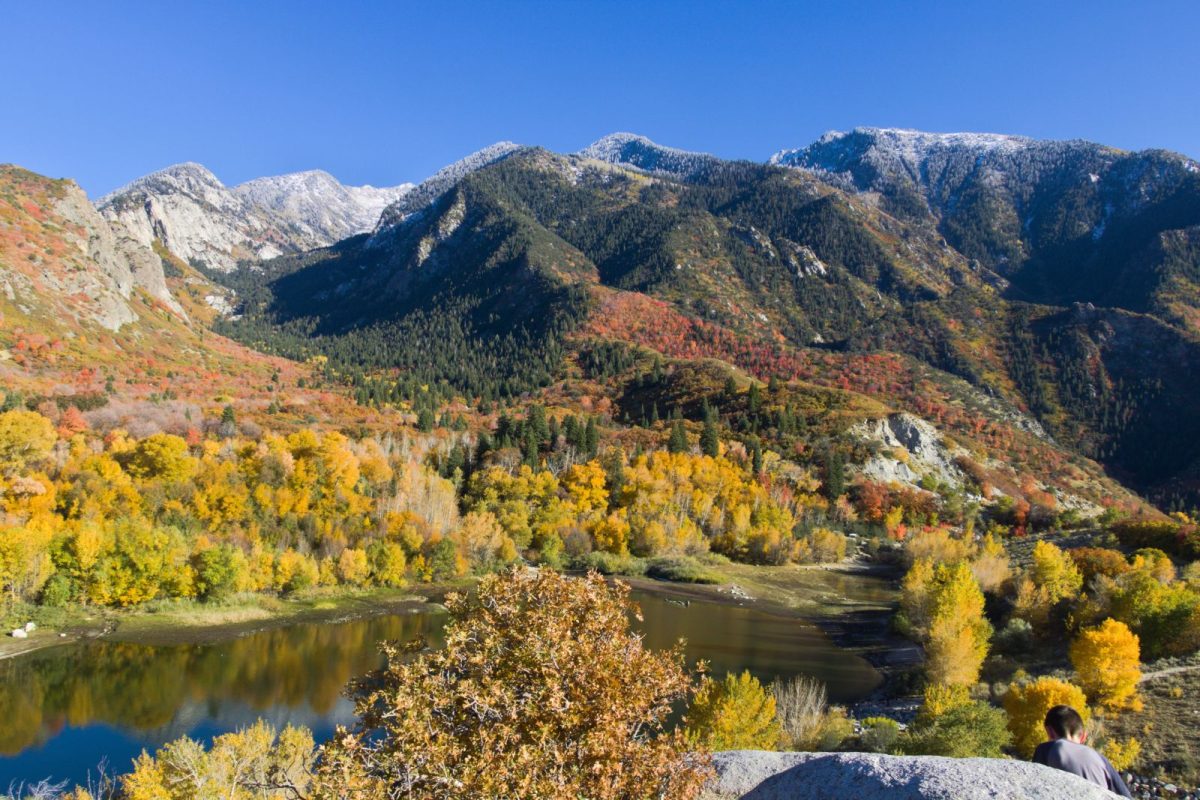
x: 68, y: 709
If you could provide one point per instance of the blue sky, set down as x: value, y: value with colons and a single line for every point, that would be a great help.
x: 383, y: 92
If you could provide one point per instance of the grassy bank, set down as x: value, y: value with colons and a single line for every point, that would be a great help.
x: 832, y: 595
x: 190, y: 621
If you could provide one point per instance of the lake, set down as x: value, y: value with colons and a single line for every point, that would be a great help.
x: 68, y: 709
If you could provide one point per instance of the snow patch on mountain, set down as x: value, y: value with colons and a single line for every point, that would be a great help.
x: 442, y: 181
x: 640, y: 153
x: 317, y: 203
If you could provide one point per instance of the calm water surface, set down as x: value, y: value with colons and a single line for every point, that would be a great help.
x: 65, y: 710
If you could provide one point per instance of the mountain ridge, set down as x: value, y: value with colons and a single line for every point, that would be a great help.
x: 203, y: 221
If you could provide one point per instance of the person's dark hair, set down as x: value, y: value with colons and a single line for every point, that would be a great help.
x: 1064, y: 721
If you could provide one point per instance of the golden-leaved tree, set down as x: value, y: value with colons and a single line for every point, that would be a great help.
x: 1027, y: 703
x: 541, y: 691
x: 736, y: 713
x: 1106, y: 659
x: 958, y: 631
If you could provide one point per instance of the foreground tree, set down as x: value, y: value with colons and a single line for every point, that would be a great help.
x: 734, y: 714
x: 542, y: 691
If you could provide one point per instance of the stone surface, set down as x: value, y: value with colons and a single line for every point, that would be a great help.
x: 756, y: 775
x: 202, y: 221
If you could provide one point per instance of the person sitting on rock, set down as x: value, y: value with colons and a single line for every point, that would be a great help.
x: 1066, y: 751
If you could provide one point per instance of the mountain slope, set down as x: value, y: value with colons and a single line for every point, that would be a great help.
x: 203, y: 222
x: 638, y: 152
x: 443, y: 180
x: 512, y: 272
x: 60, y: 259
x: 1062, y: 221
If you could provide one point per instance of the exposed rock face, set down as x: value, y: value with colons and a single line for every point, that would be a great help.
x: 201, y: 220
x: 756, y: 775
x: 317, y: 204
x: 912, y: 449
x: 74, y: 264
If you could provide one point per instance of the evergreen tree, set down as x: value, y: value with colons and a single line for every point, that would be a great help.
x: 529, y: 449
x: 754, y: 399
x: 591, y: 438
x: 710, y: 442
x: 678, y: 443
x: 536, y: 420
x: 835, y: 475
x: 425, y: 420
x: 756, y: 458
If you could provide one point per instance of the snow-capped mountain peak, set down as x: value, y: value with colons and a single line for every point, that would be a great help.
x: 199, y: 219
x: 441, y: 181
x: 633, y: 150
x: 897, y: 147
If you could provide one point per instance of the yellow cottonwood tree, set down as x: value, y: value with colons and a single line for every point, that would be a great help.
x: 1027, y: 703
x: 1106, y: 659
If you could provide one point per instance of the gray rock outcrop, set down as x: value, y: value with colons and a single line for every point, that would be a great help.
x: 756, y: 775
x: 201, y: 220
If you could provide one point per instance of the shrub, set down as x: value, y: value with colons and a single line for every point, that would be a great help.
x: 1182, y: 540
x: 681, y: 570
x: 974, y: 729
x: 252, y: 763
x: 1015, y: 637
x: 1026, y: 705
x: 734, y: 714
x: 821, y: 546
x: 1093, y: 561
x: 836, y: 728
x: 1122, y: 754
x: 879, y: 734
x: 939, y: 698
x: 611, y: 564
x: 541, y: 691
x: 1106, y: 660
x: 800, y: 708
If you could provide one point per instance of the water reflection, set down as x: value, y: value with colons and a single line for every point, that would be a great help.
x: 65, y: 709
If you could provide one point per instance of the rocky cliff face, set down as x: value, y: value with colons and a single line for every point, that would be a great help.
x: 60, y: 258
x: 199, y: 219
x: 318, y: 205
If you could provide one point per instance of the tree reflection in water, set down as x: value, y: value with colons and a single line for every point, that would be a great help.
x: 158, y: 693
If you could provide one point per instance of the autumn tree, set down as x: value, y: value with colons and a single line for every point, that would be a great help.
x: 541, y: 691
x: 1027, y: 703
x: 959, y: 633
x: 26, y: 437
x: 736, y: 713
x: 256, y: 763
x: 1106, y: 659
x: 1052, y: 578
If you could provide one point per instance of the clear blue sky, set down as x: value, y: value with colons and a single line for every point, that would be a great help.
x: 383, y: 92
